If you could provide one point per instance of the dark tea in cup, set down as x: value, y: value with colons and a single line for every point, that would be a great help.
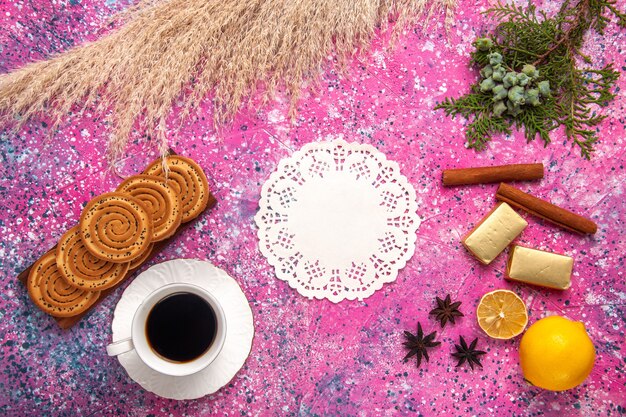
x: 181, y: 327
x: 178, y: 329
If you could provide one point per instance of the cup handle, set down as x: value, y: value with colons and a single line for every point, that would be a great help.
x: 122, y: 346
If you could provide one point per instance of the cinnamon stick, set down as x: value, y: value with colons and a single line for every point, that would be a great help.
x: 545, y: 210
x: 482, y: 175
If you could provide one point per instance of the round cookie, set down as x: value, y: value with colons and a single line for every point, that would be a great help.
x: 160, y: 199
x: 116, y: 227
x: 51, y: 293
x: 83, y: 270
x: 189, y: 181
x: 136, y: 263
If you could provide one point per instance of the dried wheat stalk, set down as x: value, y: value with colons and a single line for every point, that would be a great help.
x: 191, y: 49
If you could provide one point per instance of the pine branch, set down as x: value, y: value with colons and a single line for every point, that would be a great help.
x: 466, y: 106
x: 538, y: 121
x: 566, y: 37
x: 483, y: 126
x: 547, y: 47
x: 480, y: 131
x: 513, y: 13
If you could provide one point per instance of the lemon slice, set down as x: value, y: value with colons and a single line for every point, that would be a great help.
x: 502, y: 314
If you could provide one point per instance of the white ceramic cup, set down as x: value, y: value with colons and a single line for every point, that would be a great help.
x: 138, y: 340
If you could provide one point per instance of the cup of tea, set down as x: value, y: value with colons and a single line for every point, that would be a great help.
x: 178, y: 330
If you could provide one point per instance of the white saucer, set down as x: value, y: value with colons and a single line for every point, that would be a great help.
x: 238, y: 337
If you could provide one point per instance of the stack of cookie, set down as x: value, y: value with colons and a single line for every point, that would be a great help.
x: 116, y: 234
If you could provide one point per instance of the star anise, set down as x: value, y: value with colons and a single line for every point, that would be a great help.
x: 470, y: 354
x: 417, y: 344
x: 446, y: 310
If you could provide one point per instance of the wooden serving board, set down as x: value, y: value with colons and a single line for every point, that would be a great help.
x: 67, y: 322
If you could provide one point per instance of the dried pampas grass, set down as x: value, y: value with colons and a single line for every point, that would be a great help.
x: 190, y: 49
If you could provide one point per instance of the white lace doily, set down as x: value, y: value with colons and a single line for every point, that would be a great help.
x: 337, y: 220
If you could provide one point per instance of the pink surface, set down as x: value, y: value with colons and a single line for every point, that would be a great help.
x: 313, y: 357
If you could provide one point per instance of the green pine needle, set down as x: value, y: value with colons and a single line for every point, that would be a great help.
x: 526, y: 35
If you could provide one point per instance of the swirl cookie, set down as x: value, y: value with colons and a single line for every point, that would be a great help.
x: 160, y: 199
x: 116, y: 227
x: 51, y: 293
x: 136, y: 263
x: 83, y: 270
x: 188, y: 180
